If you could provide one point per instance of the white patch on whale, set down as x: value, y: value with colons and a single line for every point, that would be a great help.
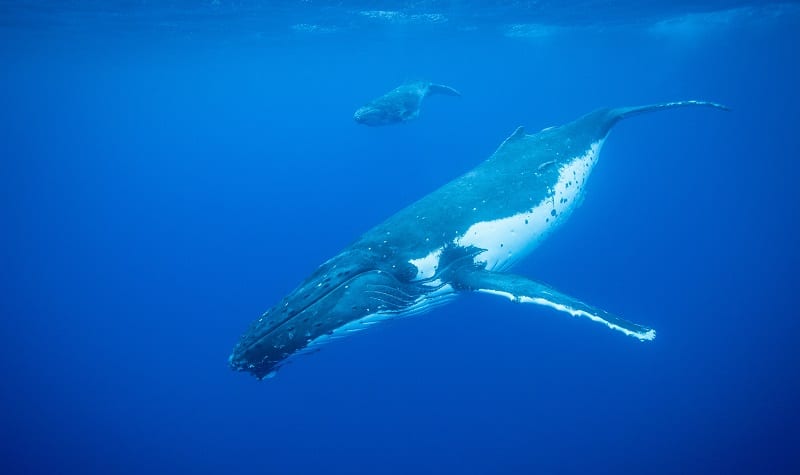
x: 433, y: 283
x: 506, y: 240
x: 426, y: 266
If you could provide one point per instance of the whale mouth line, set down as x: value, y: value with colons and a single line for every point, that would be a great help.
x: 362, y: 114
x: 313, y: 302
x: 243, y: 347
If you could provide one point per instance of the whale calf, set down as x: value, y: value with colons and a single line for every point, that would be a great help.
x: 401, y: 104
x: 461, y: 238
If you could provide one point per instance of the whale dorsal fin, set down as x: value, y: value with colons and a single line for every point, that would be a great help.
x: 441, y: 89
x: 518, y: 134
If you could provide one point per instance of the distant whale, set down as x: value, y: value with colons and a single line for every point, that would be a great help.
x: 401, y: 104
x: 460, y: 238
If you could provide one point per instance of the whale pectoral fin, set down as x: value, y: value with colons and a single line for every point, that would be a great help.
x: 521, y: 289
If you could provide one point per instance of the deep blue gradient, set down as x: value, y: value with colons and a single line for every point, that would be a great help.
x: 165, y: 178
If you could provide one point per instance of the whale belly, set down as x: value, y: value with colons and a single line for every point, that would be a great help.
x: 507, y: 239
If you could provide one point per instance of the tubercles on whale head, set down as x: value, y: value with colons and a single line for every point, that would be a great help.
x: 369, y: 115
x: 360, y: 114
x: 344, y: 295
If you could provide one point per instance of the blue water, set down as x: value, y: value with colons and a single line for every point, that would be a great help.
x: 168, y: 172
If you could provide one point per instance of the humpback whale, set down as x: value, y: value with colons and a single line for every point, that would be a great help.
x: 401, y: 104
x: 461, y: 238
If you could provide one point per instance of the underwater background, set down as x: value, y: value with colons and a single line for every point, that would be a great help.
x: 170, y: 170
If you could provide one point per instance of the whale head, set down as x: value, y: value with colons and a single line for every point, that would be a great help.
x: 344, y: 295
x: 371, y: 115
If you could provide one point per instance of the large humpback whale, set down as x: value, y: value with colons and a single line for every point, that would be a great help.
x: 401, y: 104
x: 460, y: 238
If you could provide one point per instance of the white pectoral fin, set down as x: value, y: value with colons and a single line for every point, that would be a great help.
x: 521, y: 289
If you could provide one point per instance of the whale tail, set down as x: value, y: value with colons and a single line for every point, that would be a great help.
x: 441, y: 89
x: 624, y: 112
x: 612, y: 116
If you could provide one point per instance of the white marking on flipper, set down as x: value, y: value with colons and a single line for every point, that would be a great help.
x: 650, y: 334
x: 501, y: 293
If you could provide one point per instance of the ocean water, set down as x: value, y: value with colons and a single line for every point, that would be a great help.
x: 170, y: 170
